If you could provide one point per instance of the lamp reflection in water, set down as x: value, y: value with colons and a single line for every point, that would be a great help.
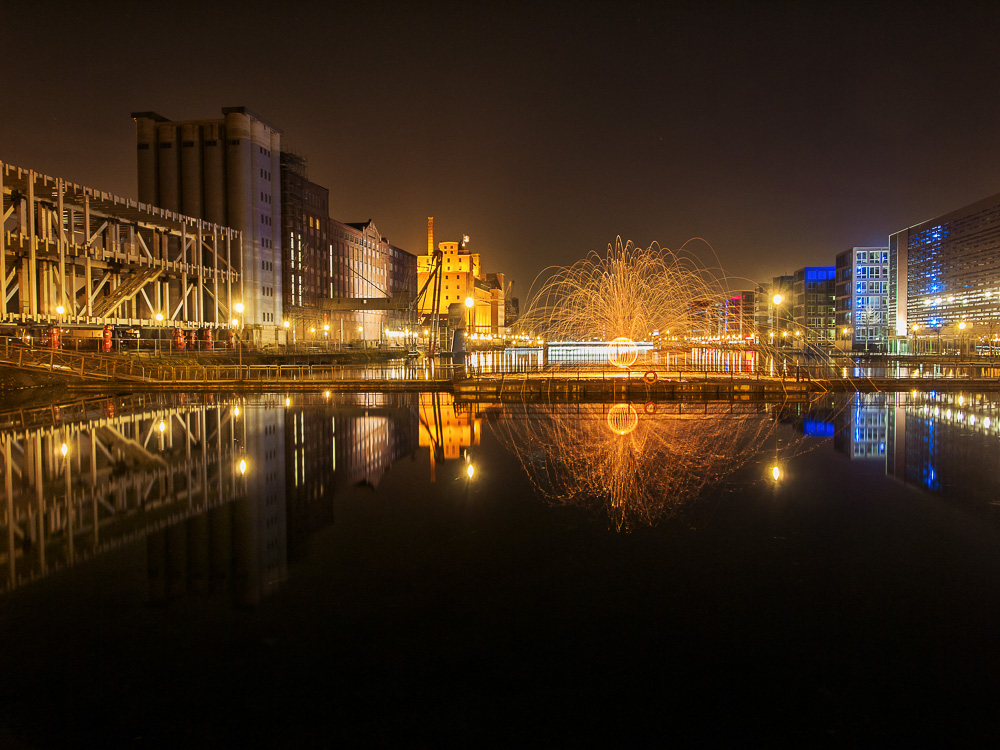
x: 641, y: 465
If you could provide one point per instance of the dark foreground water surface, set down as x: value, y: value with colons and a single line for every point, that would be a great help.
x: 607, y: 574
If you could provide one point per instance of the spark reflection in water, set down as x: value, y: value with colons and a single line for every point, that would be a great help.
x: 642, y: 466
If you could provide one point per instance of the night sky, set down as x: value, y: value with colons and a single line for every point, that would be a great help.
x: 781, y: 135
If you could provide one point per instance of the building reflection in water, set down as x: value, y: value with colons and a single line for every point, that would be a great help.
x: 448, y: 429
x: 946, y: 443
x: 861, y: 431
x: 223, y: 491
x: 336, y: 441
x: 942, y: 442
x: 219, y: 488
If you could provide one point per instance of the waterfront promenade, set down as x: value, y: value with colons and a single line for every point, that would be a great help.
x: 92, y: 372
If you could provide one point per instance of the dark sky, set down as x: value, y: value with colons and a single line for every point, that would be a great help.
x: 782, y: 134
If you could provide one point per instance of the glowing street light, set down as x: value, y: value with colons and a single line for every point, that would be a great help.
x: 243, y: 466
x: 60, y: 309
x: 470, y: 303
x: 775, y: 473
x: 239, y: 308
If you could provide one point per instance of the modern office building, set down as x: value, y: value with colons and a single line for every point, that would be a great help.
x: 814, y: 295
x: 224, y: 170
x: 862, y: 298
x: 945, y: 277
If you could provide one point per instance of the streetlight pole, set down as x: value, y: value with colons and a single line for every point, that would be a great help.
x: 239, y: 332
x: 777, y: 299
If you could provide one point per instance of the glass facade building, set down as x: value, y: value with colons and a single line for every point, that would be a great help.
x: 862, y: 290
x: 945, y: 275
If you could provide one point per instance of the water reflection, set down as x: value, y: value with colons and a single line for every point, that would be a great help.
x: 641, y: 464
x: 220, y: 489
x: 224, y: 491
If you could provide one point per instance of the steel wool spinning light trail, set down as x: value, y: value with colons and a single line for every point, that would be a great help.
x: 631, y: 293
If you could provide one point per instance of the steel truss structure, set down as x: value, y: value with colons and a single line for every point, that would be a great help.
x: 109, y: 260
x: 83, y: 478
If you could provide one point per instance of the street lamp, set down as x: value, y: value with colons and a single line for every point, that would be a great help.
x: 915, y: 328
x: 470, y: 303
x: 239, y: 309
x: 777, y: 299
x: 961, y: 338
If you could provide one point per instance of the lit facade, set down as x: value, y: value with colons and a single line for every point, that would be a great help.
x: 226, y: 171
x: 862, y: 292
x: 814, y: 308
x: 462, y: 278
x: 306, y: 270
x: 945, y: 275
x: 342, y: 282
x: 373, y: 277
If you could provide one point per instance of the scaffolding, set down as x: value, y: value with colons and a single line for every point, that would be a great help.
x: 80, y: 258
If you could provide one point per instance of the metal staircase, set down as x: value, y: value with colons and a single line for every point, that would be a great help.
x: 104, y: 305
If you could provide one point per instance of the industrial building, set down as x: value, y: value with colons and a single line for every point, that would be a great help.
x: 77, y: 259
x: 452, y: 278
x: 343, y: 282
x: 226, y: 171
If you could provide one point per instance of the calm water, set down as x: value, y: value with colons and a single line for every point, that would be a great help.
x: 352, y: 570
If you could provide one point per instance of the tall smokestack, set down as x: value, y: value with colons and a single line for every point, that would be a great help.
x: 430, y: 235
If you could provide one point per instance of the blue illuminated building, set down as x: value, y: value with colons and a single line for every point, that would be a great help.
x: 945, y: 276
x: 863, y: 297
x: 814, y: 294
